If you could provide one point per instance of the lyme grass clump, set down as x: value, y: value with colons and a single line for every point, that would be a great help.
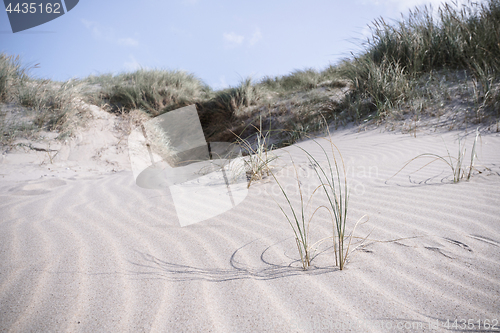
x: 397, y: 54
x: 333, y: 181
x: 154, y: 91
x: 460, y: 170
x: 386, y: 85
x: 11, y: 73
x: 300, y: 224
x: 14, y: 125
x: 334, y: 185
x: 244, y: 95
x: 223, y: 109
x: 302, y: 80
x: 35, y: 105
x: 52, y: 105
x: 258, y: 159
x: 459, y: 37
x: 298, y: 80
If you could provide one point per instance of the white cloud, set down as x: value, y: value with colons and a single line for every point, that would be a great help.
x: 232, y: 40
x: 94, y: 28
x: 222, y: 84
x: 107, y: 34
x: 132, y: 64
x: 128, y: 41
x: 256, y: 37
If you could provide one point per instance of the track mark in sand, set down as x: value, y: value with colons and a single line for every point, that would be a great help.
x: 438, y: 250
x: 37, y: 187
x: 457, y: 243
x: 485, y: 239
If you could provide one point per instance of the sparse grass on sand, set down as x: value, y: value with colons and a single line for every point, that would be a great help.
x: 459, y: 169
x: 333, y: 181
x: 334, y: 185
x: 258, y: 159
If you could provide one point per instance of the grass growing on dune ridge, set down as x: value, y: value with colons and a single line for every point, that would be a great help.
x: 152, y: 90
x: 455, y: 38
x: 11, y: 74
x: 30, y: 105
x: 429, y: 63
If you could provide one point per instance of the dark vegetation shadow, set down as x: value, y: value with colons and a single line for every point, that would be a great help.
x: 156, y: 268
x: 442, y: 178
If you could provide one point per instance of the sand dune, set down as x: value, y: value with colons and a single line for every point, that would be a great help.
x: 92, y: 251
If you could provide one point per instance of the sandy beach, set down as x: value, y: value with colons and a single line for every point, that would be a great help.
x: 83, y: 248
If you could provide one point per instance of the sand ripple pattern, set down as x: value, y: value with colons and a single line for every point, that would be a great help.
x: 103, y: 255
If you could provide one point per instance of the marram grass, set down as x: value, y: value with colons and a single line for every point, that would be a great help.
x: 334, y: 185
x: 458, y: 167
x: 333, y: 179
x: 258, y: 162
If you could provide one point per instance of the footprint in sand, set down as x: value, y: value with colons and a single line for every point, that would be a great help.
x: 37, y: 187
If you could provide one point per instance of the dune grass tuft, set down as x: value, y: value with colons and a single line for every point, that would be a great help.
x: 333, y: 182
x: 454, y: 37
x: 11, y: 74
x: 258, y: 157
x: 36, y: 104
x: 333, y: 179
x: 458, y: 167
x: 299, y: 223
x: 155, y: 91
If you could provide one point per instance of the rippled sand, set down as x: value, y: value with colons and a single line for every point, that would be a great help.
x: 97, y: 253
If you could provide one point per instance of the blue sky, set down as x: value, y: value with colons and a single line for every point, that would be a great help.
x: 221, y: 42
